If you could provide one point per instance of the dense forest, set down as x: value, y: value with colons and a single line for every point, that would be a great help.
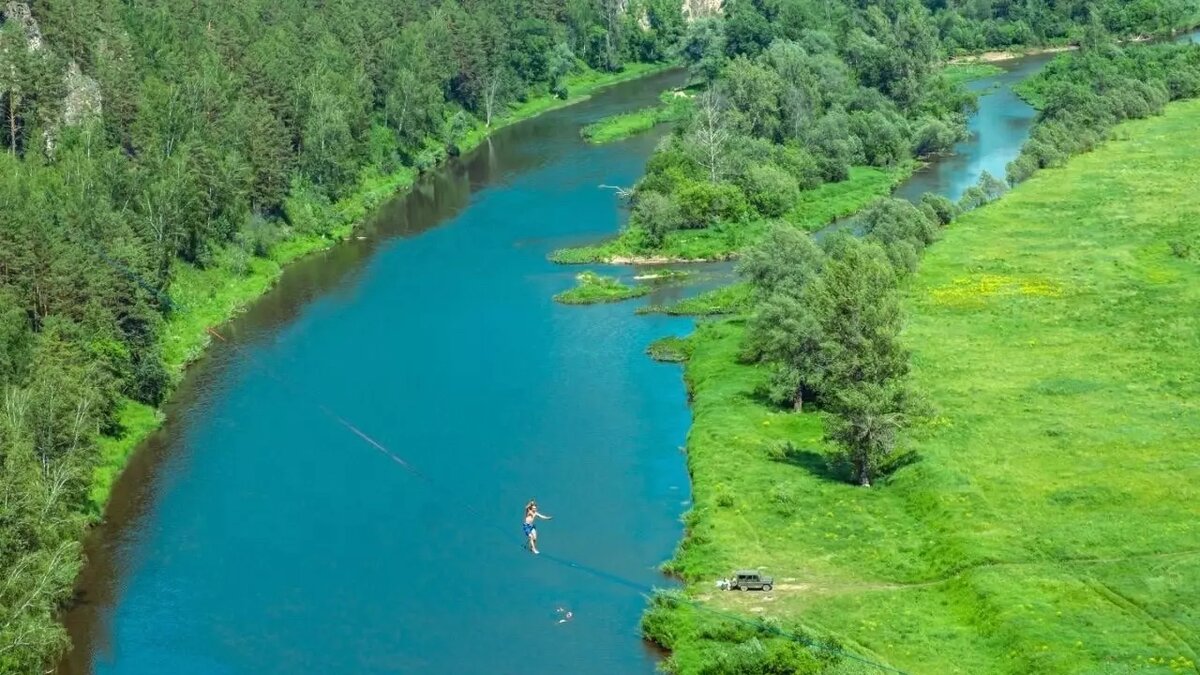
x: 144, y: 138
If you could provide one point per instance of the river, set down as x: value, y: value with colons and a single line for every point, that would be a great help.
x: 253, y: 534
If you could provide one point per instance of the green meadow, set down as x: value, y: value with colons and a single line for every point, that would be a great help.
x: 1051, y: 519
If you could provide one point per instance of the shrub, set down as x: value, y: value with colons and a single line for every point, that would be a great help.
x: 800, y: 164
x: 770, y: 190
x: 656, y: 214
x: 260, y: 236
x: 784, y: 497
x: 703, y: 204
x: 934, y: 136
x: 780, y: 451
x: 724, y: 496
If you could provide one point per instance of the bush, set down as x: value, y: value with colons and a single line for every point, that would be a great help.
x: 780, y: 451
x: 724, y: 496
x: 307, y: 210
x: 703, y: 204
x: 656, y: 214
x: 784, y: 497
x: 938, y: 209
x: 260, y: 236
x: 934, y: 136
x: 770, y: 190
x: 800, y: 165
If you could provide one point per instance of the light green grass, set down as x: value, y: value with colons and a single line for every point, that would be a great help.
x: 815, y: 209
x: 212, y: 296
x: 961, y: 73
x: 724, y: 300
x: 593, y: 288
x: 616, y: 127
x: 1052, y: 522
x: 669, y: 349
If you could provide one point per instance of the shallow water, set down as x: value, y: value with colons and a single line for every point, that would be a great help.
x: 996, y: 133
x: 255, y: 535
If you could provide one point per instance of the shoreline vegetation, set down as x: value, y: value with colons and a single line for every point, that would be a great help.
x: 215, y: 295
x: 931, y: 571
x: 592, y: 288
x: 813, y: 210
x: 675, y: 106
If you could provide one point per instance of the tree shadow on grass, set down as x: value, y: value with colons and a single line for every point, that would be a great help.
x: 832, y: 469
x: 816, y: 463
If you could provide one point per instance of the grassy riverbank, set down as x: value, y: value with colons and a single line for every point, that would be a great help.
x: 1050, y: 522
x: 211, y: 296
x: 674, y: 107
x: 815, y: 209
x: 961, y: 73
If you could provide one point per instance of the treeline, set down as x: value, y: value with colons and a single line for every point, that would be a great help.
x: 138, y: 137
x: 977, y: 25
x: 795, y: 93
x: 1081, y: 96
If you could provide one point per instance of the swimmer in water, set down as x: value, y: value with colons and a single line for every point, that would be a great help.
x: 566, y: 615
x: 530, y: 527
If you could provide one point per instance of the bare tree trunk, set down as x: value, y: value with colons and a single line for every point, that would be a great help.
x: 798, y: 401
x: 711, y: 133
x: 14, y: 99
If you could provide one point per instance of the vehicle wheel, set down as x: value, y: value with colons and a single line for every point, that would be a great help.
x: 766, y: 587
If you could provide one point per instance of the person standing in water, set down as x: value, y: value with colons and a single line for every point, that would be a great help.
x: 530, y: 527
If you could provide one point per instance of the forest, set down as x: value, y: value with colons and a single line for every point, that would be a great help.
x: 142, y: 140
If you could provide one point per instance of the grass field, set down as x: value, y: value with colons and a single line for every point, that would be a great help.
x: 815, y: 209
x: 1052, y: 521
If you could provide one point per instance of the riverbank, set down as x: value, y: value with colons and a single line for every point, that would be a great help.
x: 1045, y: 527
x: 815, y: 209
x: 212, y: 296
x: 675, y: 105
x: 1008, y: 54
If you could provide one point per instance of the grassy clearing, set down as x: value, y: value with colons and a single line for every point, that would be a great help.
x: 961, y: 73
x: 724, y: 300
x: 594, y: 288
x: 815, y: 209
x: 1052, y: 523
x: 212, y: 296
x: 674, y: 107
